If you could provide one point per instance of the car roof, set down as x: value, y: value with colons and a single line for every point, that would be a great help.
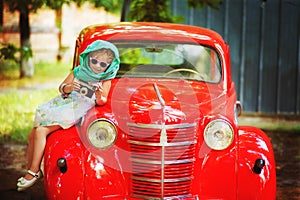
x: 150, y: 31
x: 156, y: 31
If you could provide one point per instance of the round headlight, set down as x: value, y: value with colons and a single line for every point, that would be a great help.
x: 101, y: 134
x: 218, y: 134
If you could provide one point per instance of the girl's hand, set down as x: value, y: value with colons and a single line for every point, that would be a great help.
x: 98, y: 91
x: 100, y: 99
x: 75, y: 85
x: 67, y: 88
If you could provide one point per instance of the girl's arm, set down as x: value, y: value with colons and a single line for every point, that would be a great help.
x: 68, y: 85
x: 102, y: 92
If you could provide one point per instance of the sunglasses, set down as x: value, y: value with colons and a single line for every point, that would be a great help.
x: 101, y: 63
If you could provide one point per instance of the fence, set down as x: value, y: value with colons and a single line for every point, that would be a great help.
x: 264, y: 38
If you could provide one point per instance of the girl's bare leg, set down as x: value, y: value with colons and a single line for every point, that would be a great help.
x: 37, y: 143
x: 30, y: 147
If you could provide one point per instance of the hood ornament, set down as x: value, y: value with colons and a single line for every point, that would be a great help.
x: 163, y: 134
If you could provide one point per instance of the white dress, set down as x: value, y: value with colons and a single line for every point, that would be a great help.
x: 64, y: 112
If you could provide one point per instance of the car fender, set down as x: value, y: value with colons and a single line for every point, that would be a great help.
x: 254, y: 144
x: 86, y: 175
x: 59, y: 184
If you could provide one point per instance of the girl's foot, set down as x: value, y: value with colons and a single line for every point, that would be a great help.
x: 23, y: 183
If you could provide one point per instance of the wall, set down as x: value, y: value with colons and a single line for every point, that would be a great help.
x: 265, y: 53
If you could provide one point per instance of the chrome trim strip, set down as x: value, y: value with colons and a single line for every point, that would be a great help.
x: 163, y: 139
x: 158, y: 126
x: 159, y: 96
x: 175, y: 144
x: 163, y: 163
x: 163, y: 143
x: 173, y: 180
x: 160, y: 162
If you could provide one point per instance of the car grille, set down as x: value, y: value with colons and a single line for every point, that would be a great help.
x: 162, y: 159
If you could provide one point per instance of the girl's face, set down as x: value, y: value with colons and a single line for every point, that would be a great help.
x: 99, y: 61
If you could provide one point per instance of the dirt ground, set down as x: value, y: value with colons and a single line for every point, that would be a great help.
x: 286, y: 149
x: 12, y: 165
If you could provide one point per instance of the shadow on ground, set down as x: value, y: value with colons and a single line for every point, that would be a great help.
x: 8, y: 187
x: 12, y: 165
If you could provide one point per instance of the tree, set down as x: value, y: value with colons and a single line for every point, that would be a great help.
x: 158, y: 10
x: 109, y: 5
x: 139, y: 10
x: 1, y: 13
x: 150, y: 10
x: 202, y: 3
x: 24, y: 7
x: 57, y: 5
x: 112, y: 6
x: 125, y: 10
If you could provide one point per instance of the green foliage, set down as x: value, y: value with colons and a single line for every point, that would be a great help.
x: 10, y: 51
x: 26, y: 52
x: 159, y: 10
x: 150, y: 11
x: 202, y: 3
x: 109, y: 5
x: 134, y: 56
x: 24, y: 5
x: 57, y: 4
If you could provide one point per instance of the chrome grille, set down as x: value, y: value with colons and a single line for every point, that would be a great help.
x: 162, y: 159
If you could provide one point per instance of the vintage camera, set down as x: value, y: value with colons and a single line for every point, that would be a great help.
x: 86, y: 89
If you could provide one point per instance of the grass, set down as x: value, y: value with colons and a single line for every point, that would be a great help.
x: 20, y: 97
x: 45, y: 73
x: 269, y: 122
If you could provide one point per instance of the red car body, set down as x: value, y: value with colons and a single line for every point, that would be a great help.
x: 161, y: 150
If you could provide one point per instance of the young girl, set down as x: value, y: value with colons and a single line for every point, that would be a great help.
x: 99, y: 64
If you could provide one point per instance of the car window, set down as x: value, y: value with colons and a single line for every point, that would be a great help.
x: 169, y: 60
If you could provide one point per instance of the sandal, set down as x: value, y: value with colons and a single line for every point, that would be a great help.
x: 23, y: 183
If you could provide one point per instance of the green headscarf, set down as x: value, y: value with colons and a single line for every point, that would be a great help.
x: 85, y: 73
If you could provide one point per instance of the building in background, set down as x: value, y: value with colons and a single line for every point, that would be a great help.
x: 264, y: 38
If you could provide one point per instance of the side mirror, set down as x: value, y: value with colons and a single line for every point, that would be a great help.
x: 238, y: 108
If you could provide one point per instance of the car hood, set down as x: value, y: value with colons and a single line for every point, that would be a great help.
x: 168, y: 101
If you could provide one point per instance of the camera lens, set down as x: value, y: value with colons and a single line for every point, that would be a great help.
x: 83, y: 91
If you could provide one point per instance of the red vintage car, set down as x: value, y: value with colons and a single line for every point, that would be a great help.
x: 169, y: 129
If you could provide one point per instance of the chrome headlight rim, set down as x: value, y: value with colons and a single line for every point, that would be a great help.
x: 212, y: 134
x: 112, y: 127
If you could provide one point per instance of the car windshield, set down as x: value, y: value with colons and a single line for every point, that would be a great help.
x: 169, y: 60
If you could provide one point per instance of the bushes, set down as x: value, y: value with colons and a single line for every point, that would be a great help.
x: 11, y: 52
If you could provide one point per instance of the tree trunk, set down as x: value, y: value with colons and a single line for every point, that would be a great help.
x: 1, y: 12
x: 125, y: 10
x: 27, y: 66
x: 58, y: 22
